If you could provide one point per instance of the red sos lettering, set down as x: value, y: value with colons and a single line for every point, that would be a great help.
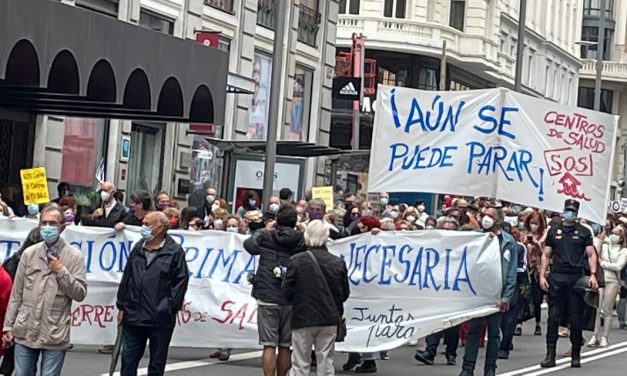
x: 568, y: 160
x: 236, y: 314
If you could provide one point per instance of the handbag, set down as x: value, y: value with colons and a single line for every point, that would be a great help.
x: 341, y: 324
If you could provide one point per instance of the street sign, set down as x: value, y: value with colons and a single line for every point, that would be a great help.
x: 615, y: 206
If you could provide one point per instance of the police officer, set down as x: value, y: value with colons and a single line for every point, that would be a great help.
x: 568, y: 244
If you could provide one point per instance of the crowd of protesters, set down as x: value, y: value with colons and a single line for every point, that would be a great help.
x: 299, y: 286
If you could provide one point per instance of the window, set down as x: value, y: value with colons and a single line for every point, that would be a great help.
x: 84, y: 141
x: 300, y: 106
x: 225, y: 5
x: 308, y: 25
x: 266, y: 13
x: 591, y: 34
x: 353, y: 6
x: 458, y: 14
x: 586, y: 99
x: 395, y: 8
x: 224, y: 44
x: 428, y: 79
x: 513, y: 45
x: 156, y: 22
x: 106, y: 7
x: 504, y: 46
x: 593, y: 8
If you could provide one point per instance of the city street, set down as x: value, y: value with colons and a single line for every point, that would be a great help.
x: 524, y: 360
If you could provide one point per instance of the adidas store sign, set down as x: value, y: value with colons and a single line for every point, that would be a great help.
x: 346, y: 88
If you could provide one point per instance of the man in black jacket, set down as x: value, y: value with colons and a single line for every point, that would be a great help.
x: 315, y: 312
x: 110, y: 212
x: 274, y: 311
x: 151, y: 292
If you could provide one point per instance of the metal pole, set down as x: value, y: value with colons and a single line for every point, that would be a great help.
x: 600, y: 50
x: 522, y: 18
x: 443, y: 67
x: 356, y: 73
x: 275, y: 98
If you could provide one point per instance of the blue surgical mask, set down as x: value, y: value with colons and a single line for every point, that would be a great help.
x: 384, y: 201
x: 232, y: 229
x: 33, y: 209
x: 146, y: 233
x: 49, y: 233
x: 570, y: 216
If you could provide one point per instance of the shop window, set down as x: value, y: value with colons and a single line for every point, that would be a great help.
x: 225, y: 5
x: 395, y: 8
x: 106, y: 7
x: 299, y: 108
x: 586, y: 99
x: 146, y: 158
x: 260, y: 99
x: 458, y: 14
x: 84, y: 144
x: 156, y: 22
x: 349, y: 6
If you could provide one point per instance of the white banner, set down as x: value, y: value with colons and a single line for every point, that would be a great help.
x: 495, y: 143
x: 403, y: 285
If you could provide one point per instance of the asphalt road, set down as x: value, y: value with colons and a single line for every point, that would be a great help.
x: 524, y: 360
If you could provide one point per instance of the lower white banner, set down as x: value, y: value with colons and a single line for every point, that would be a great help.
x: 404, y: 285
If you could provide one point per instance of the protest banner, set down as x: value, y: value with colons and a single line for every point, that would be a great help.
x: 34, y: 185
x: 404, y: 285
x: 325, y: 194
x: 493, y: 143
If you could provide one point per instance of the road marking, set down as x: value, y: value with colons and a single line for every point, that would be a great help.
x: 565, y: 362
x: 197, y: 363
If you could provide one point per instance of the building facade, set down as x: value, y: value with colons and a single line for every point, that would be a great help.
x: 404, y: 40
x: 614, y: 74
x: 175, y: 157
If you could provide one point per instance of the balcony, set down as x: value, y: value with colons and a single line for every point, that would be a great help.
x: 266, y: 14
x: 612, y: 70
x: 425, y: 38
x: 224, y: 5
x: 308, y: 25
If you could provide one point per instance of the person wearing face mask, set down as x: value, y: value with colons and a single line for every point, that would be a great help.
x: 430, y: 223
x: 140, y: 204
x: 490, y: 224
x: 234, y: 225
x: 162, y: 201
x: 567, y: 244
x: 50, y: 276
x: 33, y: 211
x: 422, y: 215
x: 110, y: 211
x: 194, y: 224
x: 151, y: 292
x: 210, y: 202
x: 351, y: 218
x: 249, y: 203
x: 384, y: 201
x: 68, y: 215
x: 316, y: 209
x: 613, y: 260
x: 411, y: 216
x: 366, y: 208
x: 533, y: 238
x: 173, y: 215
x: 274, y: 203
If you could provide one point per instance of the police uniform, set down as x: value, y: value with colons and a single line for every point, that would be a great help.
x: 568, y: 244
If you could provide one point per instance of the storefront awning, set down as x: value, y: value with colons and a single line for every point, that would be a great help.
x: 60, y: 59
x: 283, y: 148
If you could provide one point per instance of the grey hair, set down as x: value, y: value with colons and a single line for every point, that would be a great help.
x: 53, y: 208
x: 316, y: 233
x: 320, y: 202
x: 387, y: 224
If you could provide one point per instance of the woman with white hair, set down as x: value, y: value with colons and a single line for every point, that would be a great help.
x: 317, y: 285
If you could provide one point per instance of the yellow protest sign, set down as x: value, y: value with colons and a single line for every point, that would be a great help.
x: 325, y: 194
x: 35, y: 185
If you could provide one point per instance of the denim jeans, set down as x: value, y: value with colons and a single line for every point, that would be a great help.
x: 134, y: 344
x: 472, y: 341
x: 508, y: 326
x: 26, y: 361
x: 451, y: 340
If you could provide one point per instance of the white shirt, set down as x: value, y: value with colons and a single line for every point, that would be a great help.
x: 109, y: 207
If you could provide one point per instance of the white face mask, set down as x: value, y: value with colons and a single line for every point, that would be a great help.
x: 215, y: 207
x: 487, y: 222
x: 394, y: 214
x: 429, y: 227
x: 274, y: 207
x: 210, y: 198
x: 105, y: 196
x: 534, y: 227
x: 614, y: 239
x: 421, y: 208
x: 218, y: 224
x: 411, y: 219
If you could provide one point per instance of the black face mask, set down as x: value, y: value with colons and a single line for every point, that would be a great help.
x: 254, y: 226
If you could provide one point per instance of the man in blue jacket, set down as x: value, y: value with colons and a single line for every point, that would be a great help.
x: 490, y: 223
